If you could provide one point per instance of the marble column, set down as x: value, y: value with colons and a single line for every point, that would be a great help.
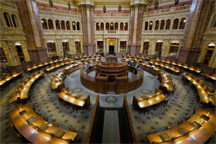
x: 31, y: 24
x: 131, y: 24
x: 196, y: 25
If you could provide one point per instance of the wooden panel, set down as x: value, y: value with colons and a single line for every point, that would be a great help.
x: 111, y: 87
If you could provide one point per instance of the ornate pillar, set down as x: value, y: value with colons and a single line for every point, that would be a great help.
x: 136, y: 22
x: 72, y: 46
x: 196, y: 25
x: 13, y: 52
x: 31, y: 24
x: 59, y: 48
x: 87, y: 12
x: 54, y: 25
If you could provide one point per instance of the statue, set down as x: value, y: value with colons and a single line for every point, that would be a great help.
x: 104, y: 9
x: 51, y: 3
x: 176, y: 2
x: 119, y: 8
x: 69, y: 6
x: 156, y: 5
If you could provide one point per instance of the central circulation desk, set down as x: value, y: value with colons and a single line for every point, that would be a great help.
x: 111, y: 78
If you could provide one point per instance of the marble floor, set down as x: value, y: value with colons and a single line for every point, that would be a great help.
x: 181, y: 103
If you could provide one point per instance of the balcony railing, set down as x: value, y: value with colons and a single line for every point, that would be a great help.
x: 172, y: 9
x: 53, y: 10
x: 112, y: 15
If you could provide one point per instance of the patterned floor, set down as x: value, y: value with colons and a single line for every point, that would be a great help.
x: 180, y: 104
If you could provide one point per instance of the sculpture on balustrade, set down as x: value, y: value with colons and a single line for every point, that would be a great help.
x: 156, y: 5
x: 176, y: 2
x: 51, y: 3
x: 69, y: 7
x: 119, y: 8
x: 104, y: 9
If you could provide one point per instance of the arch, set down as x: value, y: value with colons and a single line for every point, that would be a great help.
x: 157, y: 25
x: 51, y: 47
x: 73, y: 25
x: 175, y: 23
x: 111, y: 26
x: 107, y: 26
x: 77, y: 46
x: 182, y: 23
x: 150, y: 25
x: 57, y: 24
x: 97, y: 26
x: 23, y: 52
x: 146, y: 25
x: 102, y: 26
x: 146, y: 46
x: 44, y: 23
x: 7, y: 54
x: 7, y: 19
x: 65, y: 46
x: 116, y: 26
x: 174, y: 48
x: 78, y: 25
x: 63, y: 25
x: 68, y: 25
x: 121, y: 26
x: 50, y: 24
x: 126, y: 26
x: 14, y: 20
x: 158, y: 48
x: 168, y: 23
x: 208, y: 52
x: 162, y: 25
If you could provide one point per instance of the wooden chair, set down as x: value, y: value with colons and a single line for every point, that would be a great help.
x: 187, y: 117
x: 36, y: 111
x: 194, y: 110
x: 179, y: 121
x: 45, y: 118
x: 55, y: 124
x: 152, y: 131
x: 169, y: 127
x: 165, y: 102
x: 70, y: 128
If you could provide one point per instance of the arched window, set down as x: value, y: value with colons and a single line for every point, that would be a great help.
x: 50, y: 23
x: 146, y: 46
x: 20, y: 52
x: 162, y: 25
x: 63, y: 25
x: 150, y: 25
x: 51, y: 48
x: 102, y: 26
x: 14, y: 19
x: 157, y: 25
x: 175, y: 24
x: 209, y: 52
x: 111, y: 26
x: 57, y: 24
x: 121, y: 26
x: 168, y: 22
x: 182, y: 23
x: 146, y: 25
x: 78, y: 26
x: 107, y: 26
x: 73, y: 25
x: 97, y: 26
x: 42, y: 8
x: 126, y: 26
x: 44, y: 23
x: 174, y: 47
x: 7, y: 19
x: 68, y: 25
x: 116, y: 26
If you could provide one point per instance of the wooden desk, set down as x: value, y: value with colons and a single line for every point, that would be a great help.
x: 74, y: 100
x: 203, y: 94
x: 23, y: 94
x: 149, y: 101
x: 166, y: 82
x: 195, y: 135
x: 153, y: 70
x: 9, y: 78
x: 32, y: 131
x: 58, y: 81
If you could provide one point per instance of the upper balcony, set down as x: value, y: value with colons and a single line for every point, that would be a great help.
x: 57, y: 11
x: 169, y: 10
x: 112, y: 15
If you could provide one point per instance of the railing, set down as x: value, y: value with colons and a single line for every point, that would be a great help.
x: 53, y: 10
x: 112, y: 15
x: 172, y: 9
x: 111, y: 31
